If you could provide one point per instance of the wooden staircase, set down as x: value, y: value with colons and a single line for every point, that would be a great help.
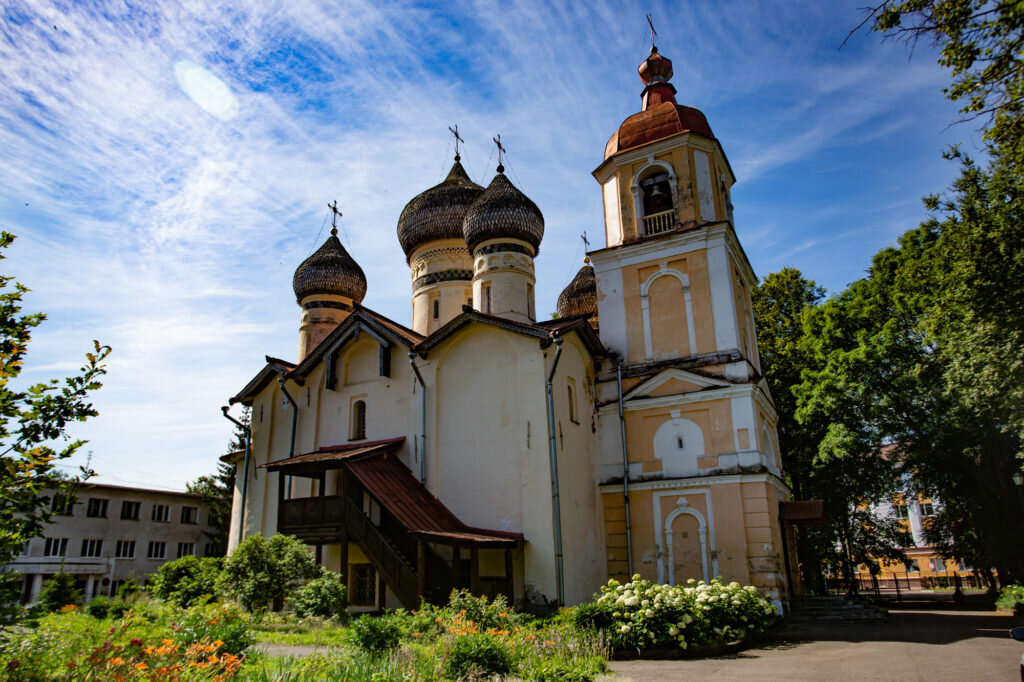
x: 399, y: 575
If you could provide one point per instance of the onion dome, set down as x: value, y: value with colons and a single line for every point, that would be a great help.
x: 437, y: 213
x: 330, y: 271
x: 503, y: 212
x: 661, y: 116
x: 580, y: 297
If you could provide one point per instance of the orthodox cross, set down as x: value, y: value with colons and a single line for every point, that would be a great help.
x: 501, y: 150
x: 458, y: 139
x: 586, y: 247
x: 653, y: 32
x: 334, y: 218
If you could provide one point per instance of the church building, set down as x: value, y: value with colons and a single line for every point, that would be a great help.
x: 481, y: 447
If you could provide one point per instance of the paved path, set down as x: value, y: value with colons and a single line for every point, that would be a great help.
x: 915, y: 645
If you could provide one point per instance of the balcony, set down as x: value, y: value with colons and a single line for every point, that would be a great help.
x: 311, y: 518
x: 660, y: 222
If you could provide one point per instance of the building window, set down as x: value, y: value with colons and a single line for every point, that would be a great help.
x: 186, y: 549
x: 912, y: 566
x: 529, y: 302
x: 125, y: 549
x: 680, y: 443
x: 92, y: 548
x: 572, y: 402
x: 358, y: 420
x: 157, y: 550
x: 62, y: 504
x: 190, y: 515
x: 97, y: 508
x: 927, y: 509
x: 364, y: 585
x: 161, y: 512
x: 901, y: 511
x: 56, y: 547
x: 115, y: 585
x: 23, y: 549
x: 211, y: 550
x: 130, y: 511
x: 487, y: 297
x: 437, y: 307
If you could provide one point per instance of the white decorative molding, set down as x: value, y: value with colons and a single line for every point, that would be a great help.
x: 687, y: 484
x: 674, y: 374
x: 664, y: 537
x: 645, y: 307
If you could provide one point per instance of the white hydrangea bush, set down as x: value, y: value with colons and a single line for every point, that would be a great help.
x: 644, y: 615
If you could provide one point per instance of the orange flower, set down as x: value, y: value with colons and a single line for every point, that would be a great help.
x: 168, y: 642
x: 437, y: 620
x: 116, y: 660
x: 415, y: 634
x: 141, y: 666
x: 218, y: 643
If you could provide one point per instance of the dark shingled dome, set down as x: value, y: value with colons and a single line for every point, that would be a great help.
x: 438, y: 212
x: 580, y: 297
x: 503, y: 212
x: 330, y: 271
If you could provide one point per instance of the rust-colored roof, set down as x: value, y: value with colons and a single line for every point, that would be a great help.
x: 412, y: 505
x: 407, y: 334
x: 274, y: 367
x: 333, y: 456
x: 656, y: 123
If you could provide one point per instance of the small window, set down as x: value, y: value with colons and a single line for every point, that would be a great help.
x: 157, y: 550
x: 125, y: 549
x: 358, y: 420
x: 364, y: 585
x: 92, y: 548
x: 190, y: 515
x: 572, y: 403
x: 130, y: 511
x: 680, y: 444
x: 56, y: 547
x: 62, y: 504
x: 901, y: 511
x: 927, y: 509
x: 529, y: 302
x: 437, y: 308
x: 186, y: 549
x: 487, y: 297
x: 97, y: 508
x: 162, y: 513
x: 912, y: 566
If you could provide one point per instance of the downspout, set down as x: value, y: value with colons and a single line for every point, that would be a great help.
x: 423, y: 418
x: 291, y: 445
x: 245, y: 474
x: 559, y: 570
x: 625, y: 474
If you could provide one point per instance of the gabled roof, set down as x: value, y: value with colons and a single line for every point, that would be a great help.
x: 275, y: 367
x: 661, y: 378
x: 419, y: 512
x: 333, y: 457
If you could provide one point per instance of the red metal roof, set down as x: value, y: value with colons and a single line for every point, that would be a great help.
x: 656, y: 123
x: 412, y: 505
x: 331, y: 457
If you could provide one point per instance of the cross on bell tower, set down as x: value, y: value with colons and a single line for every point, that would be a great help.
x: 455, y: 132
x: 334, y: 217
x: 501, y: 150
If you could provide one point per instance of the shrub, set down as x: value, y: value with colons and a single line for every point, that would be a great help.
x: 323, y: 596
x: 1012, y: 598
x: 118, y: 608
x: 592, y: 616
x: 376, y: 635
x: 128, y: 588
x: 187, y: 580
x: 98, y: 607
x: 264, y: 572
x: 59, y: 591
x: 208, y: 623
x: 483, y: 613
x: 477, y: 655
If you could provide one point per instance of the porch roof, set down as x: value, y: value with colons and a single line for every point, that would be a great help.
x: 332, y: 457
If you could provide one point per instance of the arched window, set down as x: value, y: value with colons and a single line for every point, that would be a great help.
x: 358, y: 420
x: 658, y: 206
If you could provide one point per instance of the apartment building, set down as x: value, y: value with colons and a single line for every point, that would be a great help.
x: 105, y: 534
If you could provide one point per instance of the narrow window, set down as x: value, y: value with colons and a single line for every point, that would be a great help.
x: 487, y: 297
x: 358, y: 420
x: 529, y: 302
x: 437, y: 308
x: 572, y: 402
x: 679, y: 443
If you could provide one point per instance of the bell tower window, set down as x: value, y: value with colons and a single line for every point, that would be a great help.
x: 659, y: 211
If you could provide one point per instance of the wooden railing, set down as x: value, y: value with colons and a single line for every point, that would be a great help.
x: 397, y: 573
x: 311, y: 518
x: 660, y: 222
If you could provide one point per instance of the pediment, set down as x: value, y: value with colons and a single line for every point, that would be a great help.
x: 674, y: 382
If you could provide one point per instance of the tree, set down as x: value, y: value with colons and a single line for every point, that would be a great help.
x: 58, y: 592
x: 186, y: 580
x: 33, y: 428
x: 218, y: 490
x: 982, y: 43
x: 265, y: 572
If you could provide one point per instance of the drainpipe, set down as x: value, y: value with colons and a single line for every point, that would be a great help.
x: 559, y: 570
x: 245, y: 474
x: 291, y: 445
x: 625, y: 474
x: 423, y: 418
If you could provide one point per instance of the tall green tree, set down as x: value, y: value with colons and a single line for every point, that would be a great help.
x: 218, y: 490
x: 34, y: 420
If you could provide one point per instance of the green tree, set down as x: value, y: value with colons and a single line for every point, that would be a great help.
x: 33, y: 428
x: 982, y: 43
x: 186, y: 580
x: 265, y: 572
x: 218, y: 490
x: 59, y: 591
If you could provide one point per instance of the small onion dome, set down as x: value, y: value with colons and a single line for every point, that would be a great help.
x: 655, y: 68
x: 580, y: 297
x: 330, y: 271
x: 503, y: 212
x: 437, y: 213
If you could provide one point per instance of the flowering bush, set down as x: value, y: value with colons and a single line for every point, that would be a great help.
x: 642, y: 615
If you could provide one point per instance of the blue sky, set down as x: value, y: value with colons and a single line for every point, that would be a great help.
x: 167, y: 165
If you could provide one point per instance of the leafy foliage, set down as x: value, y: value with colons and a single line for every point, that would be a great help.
x: 265, y: 572
x: 323, y: 596
x: 376, y: 635
x: 58, y: 592
x: 476, y: 656
x: 33, y: 428
x: 187, y: 580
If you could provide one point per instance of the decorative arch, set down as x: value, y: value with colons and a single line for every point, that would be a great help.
x: 678, y: 443
x: 645, y: 308
x: 638, y: 198
x: 683, y: 508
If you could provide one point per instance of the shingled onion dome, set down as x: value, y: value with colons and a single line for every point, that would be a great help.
x: 330, y: 271
x: 503, y: 212
x: 580, y: 297
x: 661, y: 116
x: 438, y: 212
